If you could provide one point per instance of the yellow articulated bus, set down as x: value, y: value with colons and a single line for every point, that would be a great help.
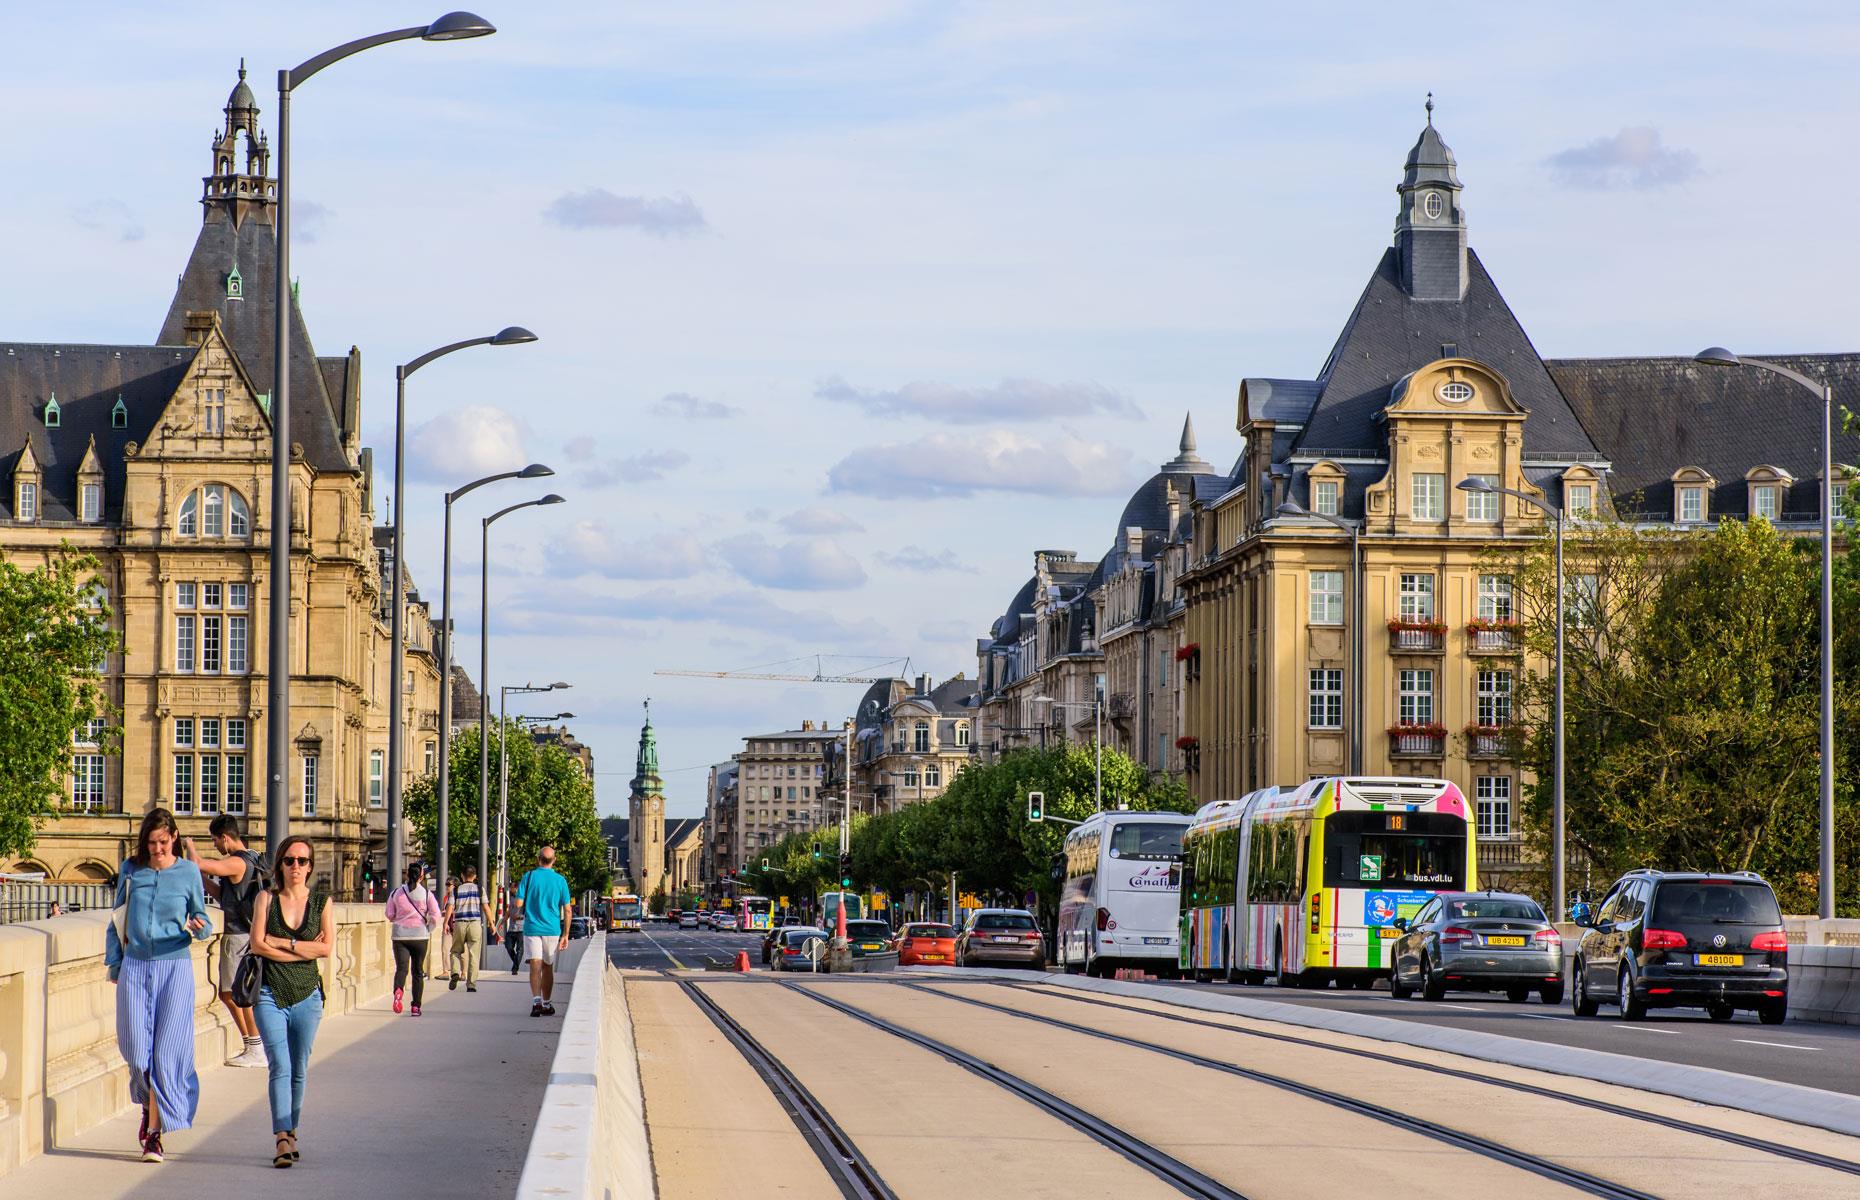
x: 1303, y: 885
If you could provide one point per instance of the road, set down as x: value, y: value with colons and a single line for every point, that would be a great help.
x: 662, y: 947
x: 945, y: 1086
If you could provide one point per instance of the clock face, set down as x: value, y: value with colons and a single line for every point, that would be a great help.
x: 1431, y: 205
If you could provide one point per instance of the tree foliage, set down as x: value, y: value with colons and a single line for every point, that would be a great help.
x: 1693, y: 701
x: 551, y: 802
x: 54, y: 631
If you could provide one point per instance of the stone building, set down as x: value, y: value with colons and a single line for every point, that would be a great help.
x: 721, y: 849
x: 684, y: 855
x: 910, y: 740
x: 156, y: 459
x: 559, y: 737
x: 646, y: 816
x: 1038, y: 668
x: 779, y: 780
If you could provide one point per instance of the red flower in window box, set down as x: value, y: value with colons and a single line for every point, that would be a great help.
x: 1494, y: 624
x: 1434, y: 730
x: 1183, y: 653
x: 1477, y: 730
x: 1187, y: 742
x: 1397, y: 625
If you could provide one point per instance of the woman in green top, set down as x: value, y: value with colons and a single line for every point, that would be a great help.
x: 290, y: 933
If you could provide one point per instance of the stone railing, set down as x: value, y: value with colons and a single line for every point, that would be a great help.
x: 60, y: 1072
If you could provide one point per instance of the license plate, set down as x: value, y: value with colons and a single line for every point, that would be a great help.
x: 1389, y: 934
x: 1155, y: 941
x: 1721, y: 960
x: 1007, y: 939
x: 931, y: 957
x: 1502, y: 940
x: 870, y: 946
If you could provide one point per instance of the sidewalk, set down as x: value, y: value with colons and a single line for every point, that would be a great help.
x: 439, y: 1106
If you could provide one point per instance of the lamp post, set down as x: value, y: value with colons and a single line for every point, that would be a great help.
x: 1291, y: 508
x: 1718, y: 356
x: 1097, y: 705
x: 454, y: 26
x: 484, y: 676
x: 533, y: 471
x: 511, y: 336
x: 1558, y: 856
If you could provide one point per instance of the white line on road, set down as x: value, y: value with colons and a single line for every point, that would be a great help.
x: 1545, y: 1017
x: 664, y: 951
x: 1646, y: 1028
x: 1778, y: 1045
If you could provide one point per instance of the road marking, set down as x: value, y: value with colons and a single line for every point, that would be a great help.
x: 1778, y: 1045
x: 1463, y: 1007
x: 664, y: 951
x: 1645, y: 1028
x: 1545, y: 1017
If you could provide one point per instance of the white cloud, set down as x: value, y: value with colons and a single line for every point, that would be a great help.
x: 109, y: 216
x: 656, y: 216
x: 649, y: 467
x: 818, y: 518
x: 590, y: 548
x: 573, y: 612
x: 694, y: 408
x: 461, y: 444
x: 1637, y: 158
x: 804, y: 564
x: 916, y: 558
x: 965, y: 464
x: 1009, y: 400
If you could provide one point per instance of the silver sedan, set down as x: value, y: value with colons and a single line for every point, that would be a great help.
x: 1481, y: 942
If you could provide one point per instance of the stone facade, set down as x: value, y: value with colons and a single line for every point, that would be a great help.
x: 779, y: 781
x: 645, y: 832
x: 911, y: 740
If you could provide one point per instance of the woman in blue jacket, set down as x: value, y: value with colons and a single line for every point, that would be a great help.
x: 163, y: 909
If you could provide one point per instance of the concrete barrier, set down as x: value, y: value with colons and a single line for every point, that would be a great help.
x: 60, y: 1073
x: 590, y: 1140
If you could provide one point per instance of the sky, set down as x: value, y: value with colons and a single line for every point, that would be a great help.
x: 847, y: 307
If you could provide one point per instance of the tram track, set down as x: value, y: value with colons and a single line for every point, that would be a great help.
x: 845, y: 1163
x: 1744, y: 1141
x: 1582, y: 1181
x: 1184, y: 1178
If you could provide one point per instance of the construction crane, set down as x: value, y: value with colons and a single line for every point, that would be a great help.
x: 820, y: 674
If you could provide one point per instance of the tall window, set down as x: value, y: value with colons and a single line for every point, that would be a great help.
x: 910, y: 776
x: 189, y: 524
x: 1327, y: 597
x: 1691, y: 504
x: 213, y: 512
x: 1495, y: 598
x: 240, y: 521
x: 1430, y: 497
x: 310, y: 766
x: 1482, y: 506
x: 1584, y: 602
x: 1839, y: 489
x: 1492, y: 800
x: 90, y: 503
x: 376, y: 774
x: 183, y: 785
x: 213, y: 409
x: 209, y: 785
x: 1417, y: 596
x: 962, y: 733
x: 920, y: 737
x: 1579, y: 500
x: 432, y: 758
x: 1324, y: 497
x: 1326, y: 698
x: 87, y: 782
x: 1763, y: 502
x: 933, y: 777
x: 28, y: 507
x: 235, y: 765
x: 1417, y: 697
x: 210, y: 643
x: 1494, y: 697
x: 184, y: 624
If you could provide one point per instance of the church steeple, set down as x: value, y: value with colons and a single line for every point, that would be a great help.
x: 234, y: 189
x: 646, y: 766
x: 1430, y: 228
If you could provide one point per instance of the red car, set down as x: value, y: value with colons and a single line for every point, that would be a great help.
x: 926, y: 944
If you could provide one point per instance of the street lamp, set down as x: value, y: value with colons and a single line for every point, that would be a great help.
x: 511, y: 336
x: 503, y: 770
x: 1558, y: 860
x: 1291, y: 508
x: 1097, y: 711
x: 533, y: 471
x: 1718, y: 356
x: 454, y: 26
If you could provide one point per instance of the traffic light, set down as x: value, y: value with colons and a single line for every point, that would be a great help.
x: 845, y: 870
x: 765, y: 864
x: 1036, y: 806
x: 816, y: 851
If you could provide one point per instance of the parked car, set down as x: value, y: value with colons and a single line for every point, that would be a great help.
x: 774, y: 935
x: 925, y: 943
x: 580, y: 927
x: 1009, y: 936
x: 1663, y: 939
x: 721, y: 919
x: 687, y: 920
x: 867, y: 937
x: 791, y: 947
x: 1481, y: 942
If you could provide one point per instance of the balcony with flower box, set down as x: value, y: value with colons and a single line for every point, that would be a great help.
x: 1417, y: 741
x: 1190, y: 746
x: 1417, y: 636
x: 1494, y: 636
x: 1488, y: 741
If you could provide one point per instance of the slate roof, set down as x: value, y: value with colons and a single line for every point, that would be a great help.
x: 248, y: 324
x: 1391, y: 334
x: 680, y: 827
x: 87, y: 380
x: 1652, y: 416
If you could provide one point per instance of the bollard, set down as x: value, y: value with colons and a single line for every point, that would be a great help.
x: 742, y: 961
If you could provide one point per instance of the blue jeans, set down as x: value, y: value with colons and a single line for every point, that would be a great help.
x: 288, y: 1034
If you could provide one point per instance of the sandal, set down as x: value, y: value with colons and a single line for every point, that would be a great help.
x: 293, y: 1136
x: 283, y: 1158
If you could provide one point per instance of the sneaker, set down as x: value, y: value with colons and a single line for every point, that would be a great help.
x: 536, y: 1010
x: 251, y: 1056
x: 396, y: 999
x: 471, y: 987
x: 151, y: 1148
x: 453, y: 986
x: 548, y: 1009
x: 416, y: 1010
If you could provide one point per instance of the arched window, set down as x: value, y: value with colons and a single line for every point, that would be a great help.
x: 962, y: 733
x: 213, y: 512
x: 920, y: 735
x: 240, y: 524
x: 189, y: 525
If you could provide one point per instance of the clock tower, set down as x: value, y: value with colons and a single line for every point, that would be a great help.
x: 1430, y: 229
x: 646, y: 816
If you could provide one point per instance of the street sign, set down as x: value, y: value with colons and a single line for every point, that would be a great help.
x: 968, y: 900
x: 784, y: 902
x: 879, y: 899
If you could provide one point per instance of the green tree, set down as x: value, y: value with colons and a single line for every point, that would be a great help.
x: 54, y: 631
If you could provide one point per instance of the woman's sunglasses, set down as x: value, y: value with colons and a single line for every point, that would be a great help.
x: 293, y: 860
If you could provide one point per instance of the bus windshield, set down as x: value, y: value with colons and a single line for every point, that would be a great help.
x: 1427, y: 852
x: 1151, y: 840
x: 626, y: 910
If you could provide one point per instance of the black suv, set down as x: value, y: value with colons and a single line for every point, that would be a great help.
x: 1662, y: 939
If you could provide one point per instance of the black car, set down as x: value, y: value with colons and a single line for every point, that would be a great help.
x: 1665, y: 939
x: 774, y: 935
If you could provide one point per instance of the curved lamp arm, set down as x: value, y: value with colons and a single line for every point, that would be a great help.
x: 533, y: 471
x: 513, y: 335
x: 454, y: 26
x: 551, y: 498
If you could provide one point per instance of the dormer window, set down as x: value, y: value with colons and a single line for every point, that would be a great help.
x: 26, y: 502
x: 235, y: 286
x: 1763, y: 502
x: 119, y: 415
x: 1456, y: 392
x: 51, y: 413
x: 90, y: 502
x: 1579, y: 500
x: 1691, y: 504
x: 1324, y: 497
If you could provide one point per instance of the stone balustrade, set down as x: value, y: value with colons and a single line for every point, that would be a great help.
x: 60, y: 1073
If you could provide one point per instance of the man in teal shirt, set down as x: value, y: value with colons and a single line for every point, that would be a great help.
x: 543, y: 899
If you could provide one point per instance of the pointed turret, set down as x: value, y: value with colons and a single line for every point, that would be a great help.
x: 1186, y: 459
x: 1430, y: 228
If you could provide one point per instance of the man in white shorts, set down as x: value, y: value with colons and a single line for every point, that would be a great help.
x: 544, y: 901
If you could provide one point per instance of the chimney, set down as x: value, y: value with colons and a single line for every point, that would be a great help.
x: 197, y: 325
x: 923, y: 685
x: 1133, y: 534
x: 807, y: 726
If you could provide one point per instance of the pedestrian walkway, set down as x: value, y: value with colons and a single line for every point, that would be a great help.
x: 441, y: 1105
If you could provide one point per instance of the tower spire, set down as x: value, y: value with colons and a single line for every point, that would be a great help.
x: 233, y: 188
x: 1430, y: 110
x: 1430, y: 228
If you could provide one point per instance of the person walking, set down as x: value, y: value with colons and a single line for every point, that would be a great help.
x: 414, y: 915
x: 465, y: 921
x: 289, y: 932
x: 161, y: 909
x: 513, y: 936
x: 544, y: 900
x: 235, y: 879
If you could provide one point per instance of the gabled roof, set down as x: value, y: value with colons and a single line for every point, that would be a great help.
x: 1391, y: 334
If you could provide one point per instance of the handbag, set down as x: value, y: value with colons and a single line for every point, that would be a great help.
x: 248, y: 980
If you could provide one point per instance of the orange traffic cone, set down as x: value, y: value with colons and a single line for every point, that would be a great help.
x: 742, y: 961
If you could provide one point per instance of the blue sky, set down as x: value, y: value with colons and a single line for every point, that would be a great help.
x: 848, y: 307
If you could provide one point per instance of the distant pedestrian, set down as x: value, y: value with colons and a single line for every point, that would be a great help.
x: 290, y: 934
x: 162, y: 909
x: 544, y: 899
x: 414, y: 915
x: 235, y: 879
x: 513, y: 936
x: 56, y: 910
x: 465, y: 921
